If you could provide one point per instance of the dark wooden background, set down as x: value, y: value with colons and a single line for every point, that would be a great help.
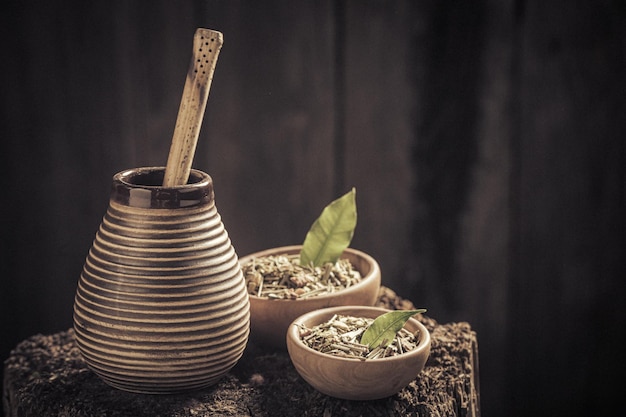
x: 485, y: 140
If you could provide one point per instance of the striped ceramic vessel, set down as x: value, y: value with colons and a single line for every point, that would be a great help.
x: 161, y: 305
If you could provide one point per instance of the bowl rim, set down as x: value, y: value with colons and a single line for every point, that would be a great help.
x: 365, y: 280
x: 292, y: 334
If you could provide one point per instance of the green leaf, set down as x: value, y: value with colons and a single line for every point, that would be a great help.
x: 331, y: 233
x: 383, y: 330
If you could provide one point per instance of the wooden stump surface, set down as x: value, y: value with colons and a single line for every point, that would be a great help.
x: 45, y: 375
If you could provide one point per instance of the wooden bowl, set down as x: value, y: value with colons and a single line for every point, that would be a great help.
x: 269, y: 319
x: 353, y: 378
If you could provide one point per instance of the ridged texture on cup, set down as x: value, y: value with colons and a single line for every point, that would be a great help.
x: 161, y: 304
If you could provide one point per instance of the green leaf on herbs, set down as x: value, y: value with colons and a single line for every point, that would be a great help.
x: 383, y: 330
x: 331, y: 233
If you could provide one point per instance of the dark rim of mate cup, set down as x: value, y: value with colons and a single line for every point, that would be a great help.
x: 143, y: 188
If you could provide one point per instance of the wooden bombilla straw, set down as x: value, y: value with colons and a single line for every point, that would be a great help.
x: 206, y: 47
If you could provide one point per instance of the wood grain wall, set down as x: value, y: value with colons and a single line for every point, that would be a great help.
x: 485, y: 140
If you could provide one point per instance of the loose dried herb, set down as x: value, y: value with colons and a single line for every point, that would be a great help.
x: 283, y: 277
x: 343, y: 336
x: 331, y: 233
x: 317, y: 269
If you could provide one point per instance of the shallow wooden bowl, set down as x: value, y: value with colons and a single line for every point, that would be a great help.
x: 269, y: 319
x: 352, y: 378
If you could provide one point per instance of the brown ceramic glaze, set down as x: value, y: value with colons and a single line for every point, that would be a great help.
x: 352, y: 378
x: 161, y: 305
x: 269, y: 319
